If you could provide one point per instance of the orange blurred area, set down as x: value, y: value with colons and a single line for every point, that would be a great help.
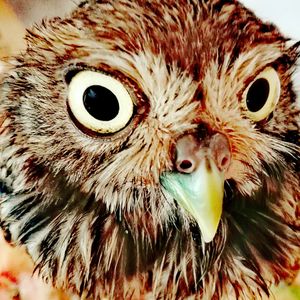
x: 11, y: 31
x: 16, y: 15
x: 17, y: 280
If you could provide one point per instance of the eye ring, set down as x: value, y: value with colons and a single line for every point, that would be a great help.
x: 262, y: 95
x: 99, y: 102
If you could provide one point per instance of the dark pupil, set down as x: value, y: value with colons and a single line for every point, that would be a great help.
x: 258, y: 94
x: 101, y: 103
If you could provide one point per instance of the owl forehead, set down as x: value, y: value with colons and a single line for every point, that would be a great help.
x: 174, y: 42
x: 189, y: 34
x: 186, y: 35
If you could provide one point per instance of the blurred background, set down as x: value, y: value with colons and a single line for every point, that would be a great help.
x: 284, y: 13
x: 15, y: 16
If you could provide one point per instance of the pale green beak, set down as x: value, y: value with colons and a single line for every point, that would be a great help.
x: 200, y: 194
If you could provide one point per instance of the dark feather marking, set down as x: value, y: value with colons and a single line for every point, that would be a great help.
x: 47, y: 256
x: 218, y: 5
x: 140, y: 254
x: 253, y: 225
x: 24, y: 207
x: 6, y: 233
x: 37, y: 223
x: 4, y: 189
x: 98, y: 237
x: 292, y: 136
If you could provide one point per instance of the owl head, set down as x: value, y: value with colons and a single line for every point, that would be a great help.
x: 152, y: 148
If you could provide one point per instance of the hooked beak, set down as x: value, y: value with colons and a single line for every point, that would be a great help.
x: 200, y: 192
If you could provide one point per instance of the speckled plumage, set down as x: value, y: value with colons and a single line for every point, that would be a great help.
x: 90, y: 208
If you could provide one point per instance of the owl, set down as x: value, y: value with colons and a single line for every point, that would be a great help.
x: 150, y: 150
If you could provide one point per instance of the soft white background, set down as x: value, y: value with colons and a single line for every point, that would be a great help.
x: 284, y: 13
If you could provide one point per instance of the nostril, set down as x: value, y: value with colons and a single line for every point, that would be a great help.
x: 220, y: 150
x: 185, y: 164
x: 224, y: 162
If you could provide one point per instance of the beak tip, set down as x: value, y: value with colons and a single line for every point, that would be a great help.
x: 208, y: 233
x: 207, y: 240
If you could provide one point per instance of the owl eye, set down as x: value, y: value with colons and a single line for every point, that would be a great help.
x: 99, y: 102
x: 262, y: 95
